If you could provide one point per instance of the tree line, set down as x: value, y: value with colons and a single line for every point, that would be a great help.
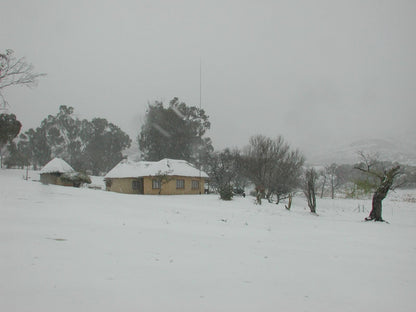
x: 179, y: 131
x: 176, y: 131
x: 95, y: 146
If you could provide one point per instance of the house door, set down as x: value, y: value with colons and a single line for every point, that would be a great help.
x: 138, y: 186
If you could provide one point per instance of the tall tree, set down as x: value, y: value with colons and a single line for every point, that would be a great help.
x: 383, y: 179
x: 174, y: 132
x: 95, y: 145
x: 38, y: 147
x: 105, y: 145
x: 15, y: 71
x: 9, y: 129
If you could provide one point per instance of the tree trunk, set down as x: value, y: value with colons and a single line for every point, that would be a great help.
x: 323, y: 187
x: 381, y: 193
x: 289, y: 204
x: 310, y: 188
x: 269, y: 197
x: 312, y: 201
x: 376, y: 211
x: 277, y: 199
x: 258, y: 198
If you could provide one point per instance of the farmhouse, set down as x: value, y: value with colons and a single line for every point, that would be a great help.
x: 59, y: 172
x: 164, y: 177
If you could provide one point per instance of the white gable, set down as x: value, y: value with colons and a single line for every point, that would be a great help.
x: 57, y: 165
x: 173, y: 167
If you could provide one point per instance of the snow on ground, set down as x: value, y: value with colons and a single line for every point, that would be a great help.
x: 69, y: 249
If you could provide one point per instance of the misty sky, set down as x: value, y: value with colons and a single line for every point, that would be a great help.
x: 317, y: 72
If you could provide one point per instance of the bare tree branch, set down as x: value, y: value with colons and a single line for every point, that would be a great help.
x: 15, y: 72
x: 368, y: 162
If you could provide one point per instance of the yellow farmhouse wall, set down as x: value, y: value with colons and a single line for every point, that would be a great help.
x: 125, y: 185
x: 122, y: 185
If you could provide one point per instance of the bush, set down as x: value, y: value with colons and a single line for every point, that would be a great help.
x: 226, y: 193
x: 77, y: 178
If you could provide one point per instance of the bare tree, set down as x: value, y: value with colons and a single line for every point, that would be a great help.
x: 272, y: 166
x: 324, y: 178
x: 384, y: 179
x: 260, y: 161
x: 309, y: 188
x: 15, y: 71
x: 287, y: 175
x: 332, y: 177
x: 336, y: 177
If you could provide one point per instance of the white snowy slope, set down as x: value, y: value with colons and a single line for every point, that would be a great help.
x: 77, y: 249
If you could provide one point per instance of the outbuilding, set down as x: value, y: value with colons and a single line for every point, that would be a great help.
x: 164, y: 177
x: 59, y: 172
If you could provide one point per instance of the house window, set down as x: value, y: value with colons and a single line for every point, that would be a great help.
x: 155, y: 184
x: 180, y: 184
x: 195, y: 184
x: 135, y: 185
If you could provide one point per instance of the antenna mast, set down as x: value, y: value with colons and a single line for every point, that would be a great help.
x: 200, y: 107
x: 200, y: 84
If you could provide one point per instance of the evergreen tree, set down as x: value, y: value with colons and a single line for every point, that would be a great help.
x: 174, y: 132
x: 224, y: 170
x: 95, y: 145
x: 9, y: 129
x: 105, y: 145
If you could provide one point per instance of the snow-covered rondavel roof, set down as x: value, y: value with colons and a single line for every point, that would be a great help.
x: 57, y: 165
x: 173, y: 167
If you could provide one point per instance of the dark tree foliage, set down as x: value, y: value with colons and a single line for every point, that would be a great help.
x: 95, y: 145
x: 35, y: 146
x: 9, y: 129
x: 104, y: 146
x: 224, y: 170
x: 175, y: 132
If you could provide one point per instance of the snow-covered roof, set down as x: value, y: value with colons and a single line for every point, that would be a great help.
x: 57, y: 165
x: 172, y: 167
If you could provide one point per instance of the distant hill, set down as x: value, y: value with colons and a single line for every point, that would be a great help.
x: 402, y: 150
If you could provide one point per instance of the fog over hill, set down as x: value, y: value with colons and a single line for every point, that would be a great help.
x: 401, y: 150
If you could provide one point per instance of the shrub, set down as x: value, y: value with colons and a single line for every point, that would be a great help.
x: 226, y: 193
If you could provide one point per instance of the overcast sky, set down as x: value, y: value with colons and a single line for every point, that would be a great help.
x: 317, y: 72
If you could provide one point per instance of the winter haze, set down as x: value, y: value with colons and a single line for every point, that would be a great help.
x: 320, y: 73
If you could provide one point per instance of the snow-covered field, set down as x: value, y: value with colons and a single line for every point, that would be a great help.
x: 68, y: 249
